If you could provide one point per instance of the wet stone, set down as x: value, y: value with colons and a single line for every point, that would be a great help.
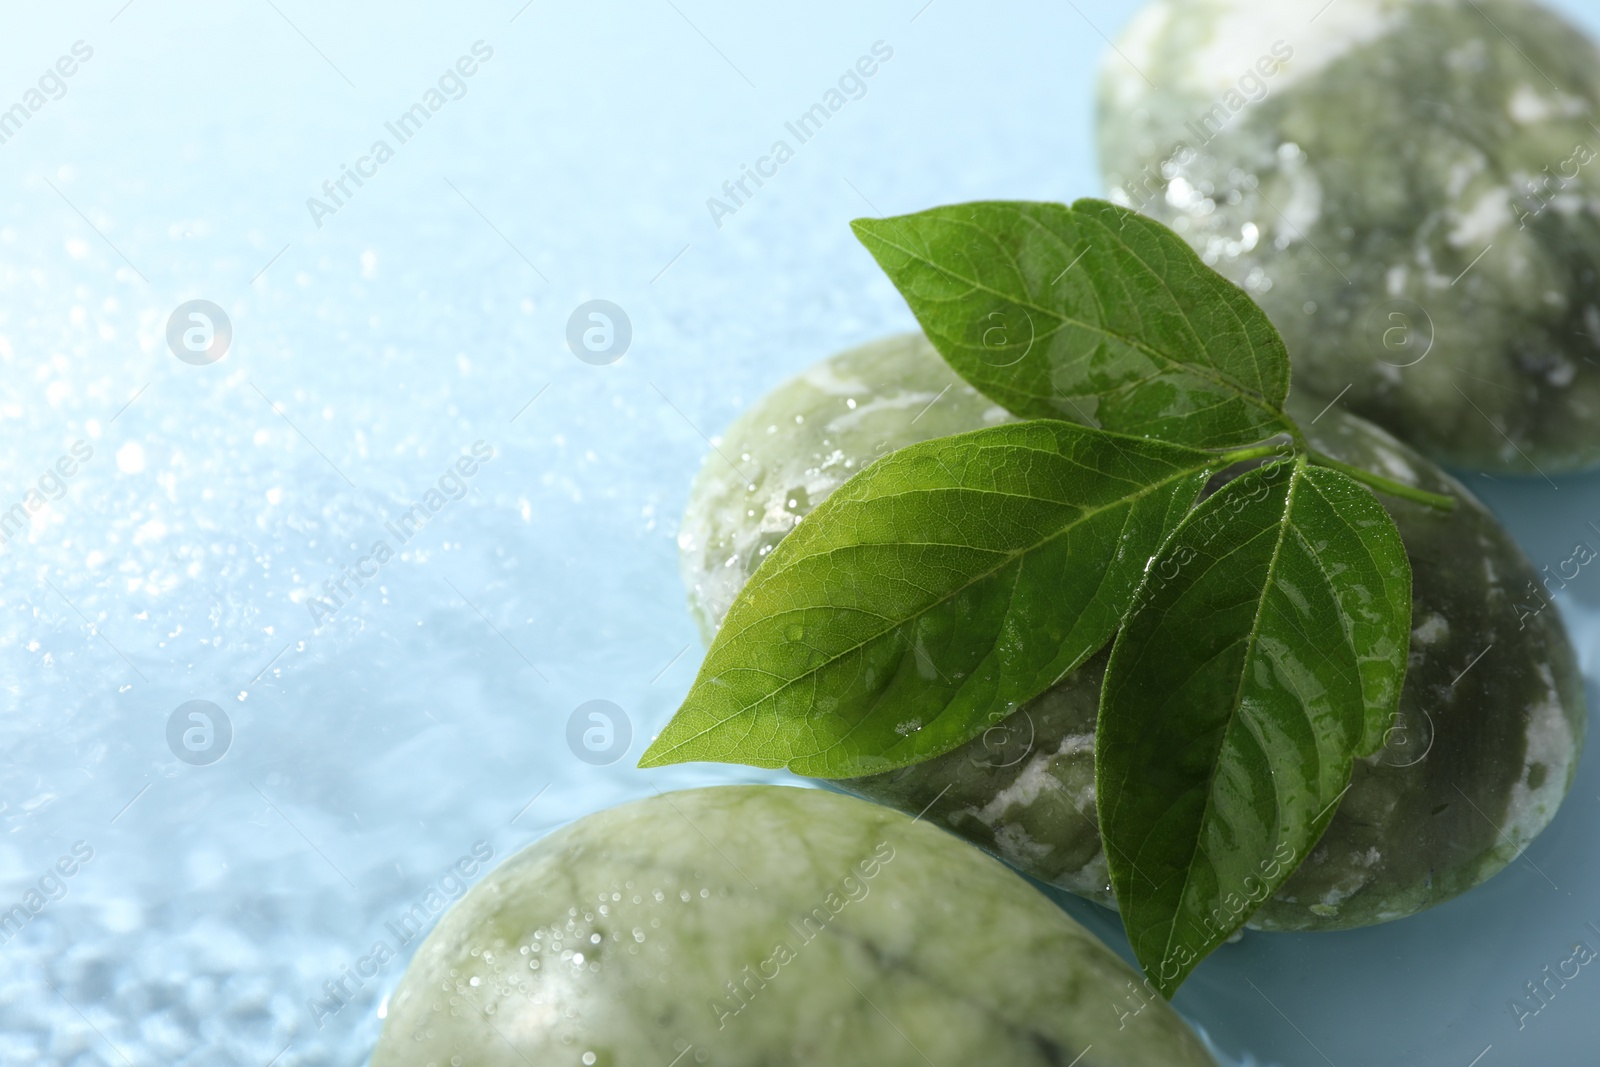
x: 819, y: 931
x: 1409, y: 188
x: 1485, y: 746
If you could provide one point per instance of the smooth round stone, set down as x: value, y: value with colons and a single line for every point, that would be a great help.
x: 1409, y: 188
x: 748, y: 925
x: 874, y: 399
x: 1491, y: 717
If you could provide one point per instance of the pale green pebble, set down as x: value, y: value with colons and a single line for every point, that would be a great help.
x: 630, y: 939
x: 840, y: 415
x: 1409, y: 188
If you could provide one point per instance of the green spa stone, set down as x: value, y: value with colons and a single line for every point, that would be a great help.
x: 760, y: 925
x: 1472, y: 772
x: 1409, y: 188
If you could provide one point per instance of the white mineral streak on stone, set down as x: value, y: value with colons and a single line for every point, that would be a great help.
x: 1093, y: 879
x: 1035, y: 780
x: 824, y: 377
x: 1341, y: 891
x: 1527, y: 106
x: 1395, y: 281
x: 1018, y: 846
x: 1481, y: 223
x: 1225, y: 38
x: 1571, y: 203
x: 1550, y: 743
x: 1032, y: 782
x: 778, y: 517
x: 1246, y: 29
x: 1434, y: 628
x: 1395, y: 465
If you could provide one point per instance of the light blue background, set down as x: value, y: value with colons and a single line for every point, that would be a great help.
x: 419, y: 319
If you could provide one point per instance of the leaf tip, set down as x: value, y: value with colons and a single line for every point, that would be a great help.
x: 656, y: 755
x: 864, y: 228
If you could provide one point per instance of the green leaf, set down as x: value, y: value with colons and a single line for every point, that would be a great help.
x: 1091, y: 314
x: 1265, y: 651
x: 930, y: 595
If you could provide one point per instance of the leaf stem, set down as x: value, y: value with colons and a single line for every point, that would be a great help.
x: 1388, y: 487
x: 1244, y: 455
